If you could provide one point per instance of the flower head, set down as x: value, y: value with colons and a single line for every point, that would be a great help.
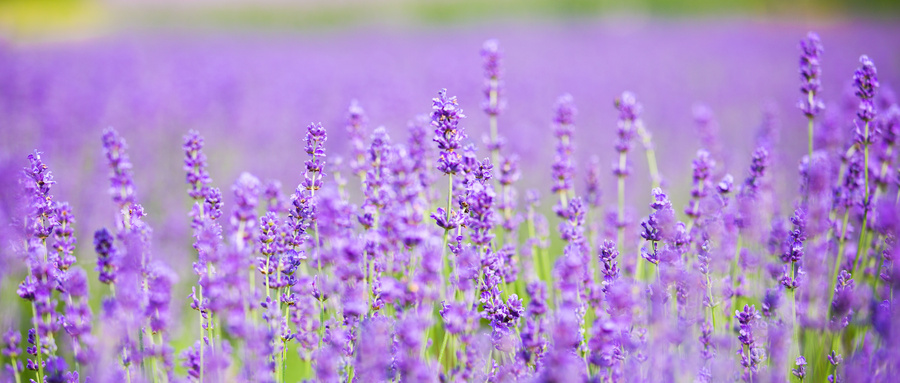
x: 810, y: 73
x: 448, y: 134
x: 865, y: 79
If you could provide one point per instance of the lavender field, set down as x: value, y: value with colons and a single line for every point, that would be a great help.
x: 653, y: 200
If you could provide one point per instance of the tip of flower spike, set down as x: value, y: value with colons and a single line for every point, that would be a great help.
x: 629, y: 108
x: 355, y: 108
x: 866, y: 62
x: 490, y: 46
x: 811, y: 45
x: 565, y: 110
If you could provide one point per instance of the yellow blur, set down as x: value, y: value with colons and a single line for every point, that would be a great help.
x: 36, y: 18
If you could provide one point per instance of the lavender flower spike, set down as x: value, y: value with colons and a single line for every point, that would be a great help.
x: 493, y: 103
x: 865, y: 80
x: 121, y: 178
x: 810, y: 86
x: 629, y: 116
x: 356, y: 126
x: 195, y: 165
x: 445, y: 118
x: 563, y: 167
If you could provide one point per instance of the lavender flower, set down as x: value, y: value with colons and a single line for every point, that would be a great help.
x: 491, y: 57
x: 629, y: 119
x: 121, y: 178
x: 315, y: 149
x: 810, y: 73
x: 356, y: 126
x: 195, y: 166
x: 750, y: 355
x: 563, y: 166
x: 800, y: 370
x: 794, y: 253
x: 702, y: 167
x: 243, y: 218
x: 448, y: 134
x: 658, y: 226
x: 106, y: 256
x: 479, y: 201
x: 865, y: 79
x: 65, y: 236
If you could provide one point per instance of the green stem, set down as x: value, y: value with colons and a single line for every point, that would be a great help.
x: 862, y: 233
x: 647, y: 138
x: 810, y: 129
x: 200, y: 297
x: 733, y: 272
x: 620, y: 230
x: 840, y: 255
x: 444, y: 256
x: 38, y: 345
x: 440, y: 359
x: 712, y: 306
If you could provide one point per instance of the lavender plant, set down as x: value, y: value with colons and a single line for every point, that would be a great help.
x: 339, y: 285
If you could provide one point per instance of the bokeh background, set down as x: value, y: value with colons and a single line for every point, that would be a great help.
x: 249, y: 75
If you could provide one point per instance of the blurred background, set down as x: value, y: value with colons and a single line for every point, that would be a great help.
x: 249, y: 75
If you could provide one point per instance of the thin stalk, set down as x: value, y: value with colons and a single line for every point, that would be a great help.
x: 840, y: 255
x: 646, y: 138
x: 495, y: 154
x: 444, y: 257
x: 200, y: 296
x: 620, y: 230
x: 862, y: 233
x: 734, y: 267
x: 810, y: 129
x: 440, y: 359
x: 38, y: 345
x: 712, y: 306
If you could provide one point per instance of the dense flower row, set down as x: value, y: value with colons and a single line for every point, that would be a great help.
x: 412, y: 283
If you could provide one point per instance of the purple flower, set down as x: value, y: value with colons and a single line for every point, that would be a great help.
x: 592, y: 192
x: 106, y: 256
x: 65, y: 235
x: 243, y: 218
x: 493, y: 87
x: 480, y: 206
x: 563, y: 126
x: 458, y: 318
x: 195, y: 166
x: 659, y: 226
x: 121, y: 178
x: 758, y: 166
x: 448, y: 134
x: 610, y: 270
x: 800, y: 370
x: 702, y: 167
x: 275, y: 200
x: 865, y: 80
x: 810, y: 73
x: 844, y: 296
x: 794, y: 250
x: 356, y: 129
x: 750, y: 355
x: 629, y: 116
x: 315, y: 149
x: 38, y: 180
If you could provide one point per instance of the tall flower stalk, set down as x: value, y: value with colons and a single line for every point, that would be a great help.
x: 865, y: 80
x: 448, y: 134
x: 629, y: 118
x: 493, y: 103
x: 811, y: 84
